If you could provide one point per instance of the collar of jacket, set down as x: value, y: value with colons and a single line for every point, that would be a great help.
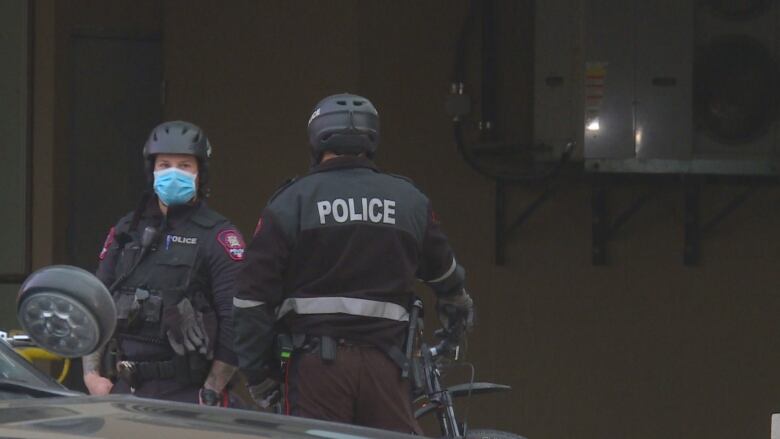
x: 176, y: 214
x: 344, y: 162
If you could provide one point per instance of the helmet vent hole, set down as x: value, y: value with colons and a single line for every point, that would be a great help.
x: 341, y: 102
x: 357, y: 103
x: 197, y: 138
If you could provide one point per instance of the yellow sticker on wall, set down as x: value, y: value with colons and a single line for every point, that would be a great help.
x: 595, y: 82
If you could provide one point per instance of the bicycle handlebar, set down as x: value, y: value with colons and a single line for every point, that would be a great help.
x: 450, y: 343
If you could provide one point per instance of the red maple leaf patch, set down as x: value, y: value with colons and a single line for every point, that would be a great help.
x: 233, y: 244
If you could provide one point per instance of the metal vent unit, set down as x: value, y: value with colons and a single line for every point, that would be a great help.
x: 681, y: 86
x: 557, y: 76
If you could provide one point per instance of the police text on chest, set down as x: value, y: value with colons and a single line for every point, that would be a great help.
x: 181, y: 240
x: 373, y: 210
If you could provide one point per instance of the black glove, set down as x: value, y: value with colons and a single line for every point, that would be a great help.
x: 267, y: 393
x: 456, y: 312
x: 185, y: 329
x: 212, y: 398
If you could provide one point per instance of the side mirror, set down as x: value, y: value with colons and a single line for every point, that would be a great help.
x: 66, y: 310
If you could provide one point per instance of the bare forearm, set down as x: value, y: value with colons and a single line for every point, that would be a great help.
x: 219, y: 376
x: 91, y: 362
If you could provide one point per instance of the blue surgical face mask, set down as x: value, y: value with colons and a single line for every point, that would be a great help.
x: 174, y: 186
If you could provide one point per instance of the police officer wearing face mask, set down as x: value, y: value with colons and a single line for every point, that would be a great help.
x: 333, y: 263
x: 170, y: 266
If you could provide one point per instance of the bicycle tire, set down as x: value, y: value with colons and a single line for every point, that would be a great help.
x: 483, y: 433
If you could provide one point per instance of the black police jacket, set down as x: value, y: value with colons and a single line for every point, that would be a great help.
x: 197, y: 254
x: 337, y: 253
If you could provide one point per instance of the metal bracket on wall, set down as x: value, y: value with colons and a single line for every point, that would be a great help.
x: 694, y: 230
x: 603, y: 227
x: 502, y: 231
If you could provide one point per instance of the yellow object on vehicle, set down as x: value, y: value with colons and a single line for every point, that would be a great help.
x: 32, y: 353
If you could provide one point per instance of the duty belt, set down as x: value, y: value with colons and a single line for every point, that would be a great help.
x: 136, y: 373
x: 326, y: 347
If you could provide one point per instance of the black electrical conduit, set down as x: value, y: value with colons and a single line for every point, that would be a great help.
x: 459, y: 103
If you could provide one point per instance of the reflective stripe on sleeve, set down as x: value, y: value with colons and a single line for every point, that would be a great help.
x: 445, y: 275
x: 244, y: 303
x: 344, y: 305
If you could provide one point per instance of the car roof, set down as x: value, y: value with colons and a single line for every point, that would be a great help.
x: 119, y: 416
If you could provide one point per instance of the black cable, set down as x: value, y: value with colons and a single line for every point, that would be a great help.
x: 149, y: 238
x: 461, y: 47
x: 140, y: 208
x: 489, y: 93
x: 117, y: 283
x: 553, y: 171
x: 472, y: 380
x: 489, y: 77
x: 468, y: 398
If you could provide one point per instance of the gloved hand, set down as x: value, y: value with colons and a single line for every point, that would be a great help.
x: 267, y: 393
x: 185, y: 329
x: 456, y: 313
x: 212, y: 398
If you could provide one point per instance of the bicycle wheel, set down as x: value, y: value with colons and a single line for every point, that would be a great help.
x: 481, y: 433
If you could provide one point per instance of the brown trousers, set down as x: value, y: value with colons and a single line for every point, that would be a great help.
x: 361, y: 386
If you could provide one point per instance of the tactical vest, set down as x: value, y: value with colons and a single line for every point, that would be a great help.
x: 169, y: 269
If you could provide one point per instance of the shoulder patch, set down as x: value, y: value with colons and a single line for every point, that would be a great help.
x: 233, y: 244
x: 435, y: 218
x: 107, y: 243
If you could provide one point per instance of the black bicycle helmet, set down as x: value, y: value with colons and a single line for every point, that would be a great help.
x: 179, y: 137
x: 345, y: 124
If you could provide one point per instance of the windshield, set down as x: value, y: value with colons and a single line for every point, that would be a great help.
x: 15, y: 368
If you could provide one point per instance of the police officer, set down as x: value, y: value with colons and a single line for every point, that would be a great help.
x: 170, y: 266
x: 333, y: 262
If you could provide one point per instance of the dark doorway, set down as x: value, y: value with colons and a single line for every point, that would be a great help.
x: 115, y: 100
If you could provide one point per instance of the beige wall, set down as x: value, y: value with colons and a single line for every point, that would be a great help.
x: 642, y: 348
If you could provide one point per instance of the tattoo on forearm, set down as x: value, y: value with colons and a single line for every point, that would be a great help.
x: 91, y: 362
x: 219, y: 376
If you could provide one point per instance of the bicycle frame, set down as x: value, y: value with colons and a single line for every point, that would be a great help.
x: 427, y: 382
x: 438, y: 398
